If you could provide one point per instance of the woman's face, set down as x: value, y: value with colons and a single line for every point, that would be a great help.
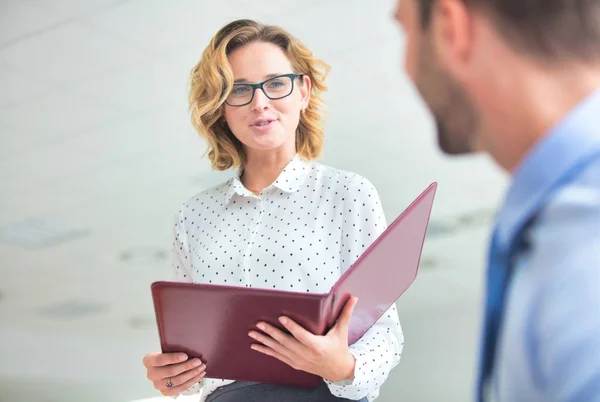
x: 265, y: 124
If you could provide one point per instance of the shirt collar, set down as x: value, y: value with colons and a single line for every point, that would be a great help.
x: 552, y: 160
x: 289, y: 180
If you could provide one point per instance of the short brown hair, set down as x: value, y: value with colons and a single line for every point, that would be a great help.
x: 550, y: 29
x: 212, y: 79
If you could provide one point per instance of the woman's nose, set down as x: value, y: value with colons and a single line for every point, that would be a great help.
x: 260, y: 101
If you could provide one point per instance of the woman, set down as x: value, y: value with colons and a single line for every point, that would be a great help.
x: 283, y: 222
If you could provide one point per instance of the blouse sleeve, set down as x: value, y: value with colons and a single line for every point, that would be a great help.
x: 380, y: 348
x: 183, y: 270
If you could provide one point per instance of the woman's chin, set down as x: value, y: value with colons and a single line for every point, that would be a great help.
x: 266, y: 142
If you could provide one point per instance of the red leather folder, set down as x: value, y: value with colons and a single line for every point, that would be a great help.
x: 212, y: 322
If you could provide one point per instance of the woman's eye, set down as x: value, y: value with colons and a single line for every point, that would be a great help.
x: 275, y: 84
x: 239, y: 90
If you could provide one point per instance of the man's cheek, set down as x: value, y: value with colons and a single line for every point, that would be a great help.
x: 410, y: 63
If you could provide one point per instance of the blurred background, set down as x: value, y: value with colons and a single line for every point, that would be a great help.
x: 97, y: 153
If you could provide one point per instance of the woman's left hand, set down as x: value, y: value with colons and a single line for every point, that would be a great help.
x: 327, y: 356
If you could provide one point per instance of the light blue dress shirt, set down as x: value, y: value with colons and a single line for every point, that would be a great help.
x: 549, y: 345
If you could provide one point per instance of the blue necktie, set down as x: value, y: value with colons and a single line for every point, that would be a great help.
x: 498, y: 278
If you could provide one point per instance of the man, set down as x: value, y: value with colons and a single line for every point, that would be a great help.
x: 520, y: 79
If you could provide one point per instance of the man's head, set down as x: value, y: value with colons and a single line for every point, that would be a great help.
x: 465, y: 56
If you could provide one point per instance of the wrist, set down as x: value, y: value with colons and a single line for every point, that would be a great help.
x: 346, y: 369
x: 351, y: 367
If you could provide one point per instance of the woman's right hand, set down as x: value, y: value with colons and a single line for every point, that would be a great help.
x: 173, y: 373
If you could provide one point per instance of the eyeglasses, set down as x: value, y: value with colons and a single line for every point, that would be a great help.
x: 277, y: 87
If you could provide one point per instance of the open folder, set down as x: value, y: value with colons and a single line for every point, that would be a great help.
x: 212, y: 322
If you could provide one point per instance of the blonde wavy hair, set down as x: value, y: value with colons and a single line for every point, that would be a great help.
x: 211, y: 81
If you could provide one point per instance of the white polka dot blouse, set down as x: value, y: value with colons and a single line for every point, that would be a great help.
x: 300, y: 234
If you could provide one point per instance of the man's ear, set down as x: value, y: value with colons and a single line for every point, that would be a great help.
x: 453, y: 33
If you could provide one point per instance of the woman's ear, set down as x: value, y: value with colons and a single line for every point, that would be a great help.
x: 305, y: 89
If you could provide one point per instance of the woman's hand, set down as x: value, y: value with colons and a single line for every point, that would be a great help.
x: 326, y: 356
x: 173, y: 373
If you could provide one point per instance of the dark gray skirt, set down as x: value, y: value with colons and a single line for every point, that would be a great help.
x: 240, y: 391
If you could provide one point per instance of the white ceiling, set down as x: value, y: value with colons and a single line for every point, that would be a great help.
x: 94, y: 136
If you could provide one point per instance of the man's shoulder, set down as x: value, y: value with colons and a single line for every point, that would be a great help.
x: 577, y: 201
x: 566, y: 234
